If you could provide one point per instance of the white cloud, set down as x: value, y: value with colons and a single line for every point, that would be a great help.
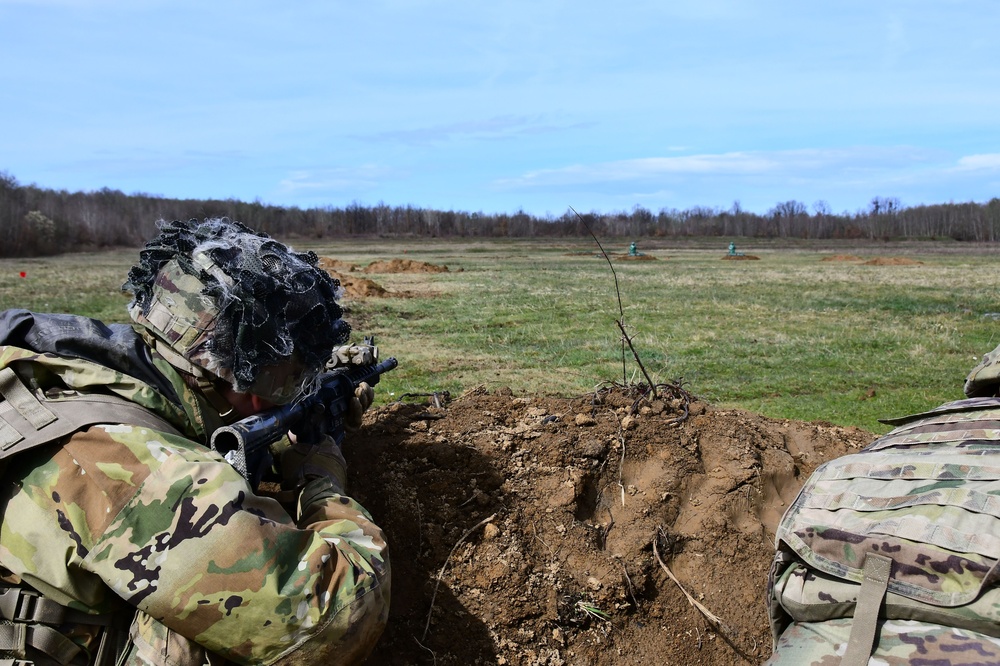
x: 488, y: 128
x: 363, y: 178
x: 984, y: 162
x: 785, y: 164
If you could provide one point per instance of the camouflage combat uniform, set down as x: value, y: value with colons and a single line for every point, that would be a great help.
x: 159, y: 530
x: 924, y: 500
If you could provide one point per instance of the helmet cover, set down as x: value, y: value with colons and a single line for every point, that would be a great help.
x: 239, y: 305
x: 984, y: 379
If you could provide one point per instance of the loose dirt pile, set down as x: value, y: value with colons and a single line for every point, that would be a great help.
x: 892, y: 261
x: 740, y: 257
x: 354, y: 287
x: 522, y: 529
x: 403, y: 266
x: 332, y: 265
x: 360, y: 287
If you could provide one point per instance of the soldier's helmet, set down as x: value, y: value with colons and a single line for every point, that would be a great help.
x: 984, y: 379
x: 220, y: 299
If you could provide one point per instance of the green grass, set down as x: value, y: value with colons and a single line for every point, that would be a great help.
x: 787, y: 336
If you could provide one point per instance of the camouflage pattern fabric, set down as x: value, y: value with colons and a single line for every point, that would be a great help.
x: 900, y: 643
x: 123, y: 518
x: 185, y: 319
x: 925, y: 495
x: 984, y: 379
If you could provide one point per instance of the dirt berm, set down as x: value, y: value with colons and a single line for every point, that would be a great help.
x: 525, y: 529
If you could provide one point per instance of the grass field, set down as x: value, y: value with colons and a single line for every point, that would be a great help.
x: 788, y: 335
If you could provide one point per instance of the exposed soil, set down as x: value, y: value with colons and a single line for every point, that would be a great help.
x: 354, y: 286
x: 740, y: 257
x: 892, y: 261
x: 522, y: 528
x: 360, y: 287
x: 403, y: 266
x: 332, y: 265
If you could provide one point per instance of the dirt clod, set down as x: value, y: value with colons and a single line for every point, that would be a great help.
x: 544, y: 528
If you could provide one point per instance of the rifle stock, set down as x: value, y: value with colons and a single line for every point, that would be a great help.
x: 246, y: 443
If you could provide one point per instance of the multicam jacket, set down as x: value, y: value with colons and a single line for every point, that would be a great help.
x: 897, y: 547
x: 123, y: 519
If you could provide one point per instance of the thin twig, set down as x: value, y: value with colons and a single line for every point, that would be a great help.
x: 444, y: 566
x: 709, y: 615
x: 552, y: 553
x: 631, y: 591
x: 433, y: 655
x: 635, y: 354
x: 715, y: 620
x: 621, y: 310
x: 621, y: 465
x: 420, y: 530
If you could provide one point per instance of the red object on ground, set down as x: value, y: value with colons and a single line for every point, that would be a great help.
x: 23, y: 274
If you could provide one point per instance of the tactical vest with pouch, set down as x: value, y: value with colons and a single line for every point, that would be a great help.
x: 34, y: 629
x: 908, y: 528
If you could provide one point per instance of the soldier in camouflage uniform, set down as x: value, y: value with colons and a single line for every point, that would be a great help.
x: 890, y: 556
x: 129, y: 541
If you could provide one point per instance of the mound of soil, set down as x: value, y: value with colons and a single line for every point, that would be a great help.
x: 354, y: 287
x: 741, y: 257
x: 358, y: 287
x: 331, y: 265
x: 892, y: 261
x: 403, y: 266
x: 841, y: 257
x: 526, y: 530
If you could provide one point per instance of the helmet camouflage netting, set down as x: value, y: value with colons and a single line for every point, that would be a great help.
x: 237, y: 303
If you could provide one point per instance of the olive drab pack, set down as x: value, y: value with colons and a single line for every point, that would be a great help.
x: 34, y: 629
x: 908, y: 529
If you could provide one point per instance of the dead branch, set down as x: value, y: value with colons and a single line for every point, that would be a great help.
x: 621, y: 311
x: 444, y: 566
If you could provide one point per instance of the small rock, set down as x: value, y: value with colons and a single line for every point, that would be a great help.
x: 584, y: 420
x: 594, y: 583
x: 490, y: 532
x: 629, y: 422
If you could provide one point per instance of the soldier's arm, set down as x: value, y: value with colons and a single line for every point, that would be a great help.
x: 176, y: 532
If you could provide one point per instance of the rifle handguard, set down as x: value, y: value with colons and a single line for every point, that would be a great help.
x: 245, y: 444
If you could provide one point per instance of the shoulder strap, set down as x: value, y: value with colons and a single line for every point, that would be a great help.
x: 28, y: 419
x: 873, y: 588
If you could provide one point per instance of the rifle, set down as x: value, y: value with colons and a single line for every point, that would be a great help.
x: 246, y: 443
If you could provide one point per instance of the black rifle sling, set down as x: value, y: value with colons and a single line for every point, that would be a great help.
x: 28, y: 419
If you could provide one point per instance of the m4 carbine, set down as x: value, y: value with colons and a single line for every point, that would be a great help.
x: 246, y: 443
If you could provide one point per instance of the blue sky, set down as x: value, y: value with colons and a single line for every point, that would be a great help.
x: 536, y: 105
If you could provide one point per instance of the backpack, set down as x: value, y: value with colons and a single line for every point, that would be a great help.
x: 32, y: 627
x: 908, y: 528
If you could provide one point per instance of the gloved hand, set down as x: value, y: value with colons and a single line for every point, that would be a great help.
x: 301, y: 463
x: 357, y: 406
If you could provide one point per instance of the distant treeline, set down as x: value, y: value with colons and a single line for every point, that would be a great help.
x: 36, y: 221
